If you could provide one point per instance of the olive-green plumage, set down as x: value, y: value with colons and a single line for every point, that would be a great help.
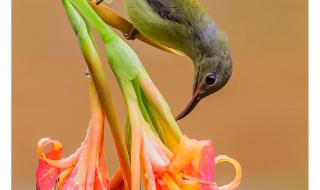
x: 186, y: 26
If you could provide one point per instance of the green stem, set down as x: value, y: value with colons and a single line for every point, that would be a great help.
x: 91, y: 16
x: 91, y: 56
x: 160, y: 105
x: 142, y: 106
x: 154, y: 118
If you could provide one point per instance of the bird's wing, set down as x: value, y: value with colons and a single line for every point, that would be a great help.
x: 172, y: 23
x: 167, y: 9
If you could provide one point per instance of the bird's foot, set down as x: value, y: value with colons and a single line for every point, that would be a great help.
x: 98, y: 2
x: 132, y: 35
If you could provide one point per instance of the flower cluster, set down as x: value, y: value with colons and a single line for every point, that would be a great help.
x: 154, y: 149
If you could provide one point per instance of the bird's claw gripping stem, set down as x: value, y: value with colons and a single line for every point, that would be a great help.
x: 98, y: 2
x: 132, y: 35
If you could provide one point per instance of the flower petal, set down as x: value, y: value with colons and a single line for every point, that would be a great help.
x: 46, y: 175
x: 206, y: 166
x: 236, y: 181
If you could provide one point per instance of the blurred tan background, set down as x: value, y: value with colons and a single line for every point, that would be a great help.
x: 259, y: 118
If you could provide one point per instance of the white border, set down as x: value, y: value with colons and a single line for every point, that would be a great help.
x: 5, y: 95
x: 314, y: 95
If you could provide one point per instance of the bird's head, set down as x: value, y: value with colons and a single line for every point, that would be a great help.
x: 212, y: 72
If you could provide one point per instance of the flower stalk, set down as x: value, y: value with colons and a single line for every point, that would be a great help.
x: 90, y: 53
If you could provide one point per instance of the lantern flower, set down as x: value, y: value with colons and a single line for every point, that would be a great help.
x: 85, y: 169
x: 171, y: 160
x: 154, y: 147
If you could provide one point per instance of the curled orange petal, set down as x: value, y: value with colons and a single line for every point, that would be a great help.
x: 46, y: 175
x: 236, y: 181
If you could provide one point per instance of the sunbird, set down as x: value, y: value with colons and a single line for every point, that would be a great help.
x: 182, y: 25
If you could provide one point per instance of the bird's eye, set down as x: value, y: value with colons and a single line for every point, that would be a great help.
x: 211, y: 79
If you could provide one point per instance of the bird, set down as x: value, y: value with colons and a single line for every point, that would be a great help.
x: 185, y: 25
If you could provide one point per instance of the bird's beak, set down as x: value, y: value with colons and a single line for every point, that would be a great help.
x: 192, y: 104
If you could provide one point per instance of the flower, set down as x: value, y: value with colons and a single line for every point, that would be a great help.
x: 189, y: 164
x: 85, y: 169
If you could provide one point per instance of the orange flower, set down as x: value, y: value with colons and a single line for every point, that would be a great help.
x: 85, y: 169
x: 180, y: 163
x: 190, y: 168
